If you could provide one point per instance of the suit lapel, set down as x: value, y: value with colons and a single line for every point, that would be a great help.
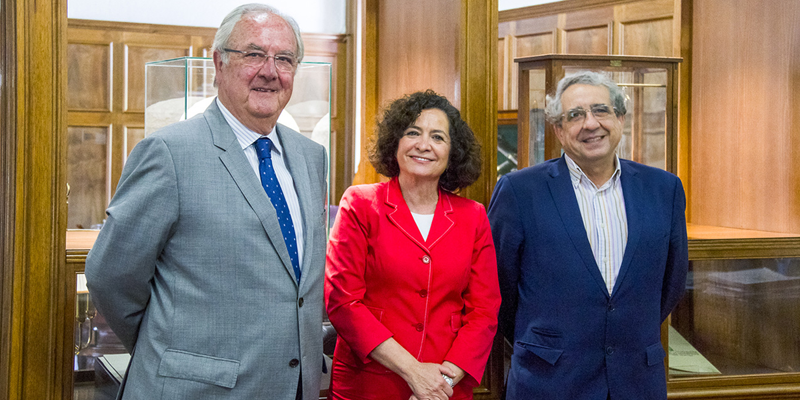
x: 298, y: 167
x: 242, y: 173
x: 632, y: 189
x: 564, y: 197
x: 401, y: 217
x: 442, y: 219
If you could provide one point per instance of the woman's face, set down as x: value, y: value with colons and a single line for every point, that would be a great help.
x: 424, y: 149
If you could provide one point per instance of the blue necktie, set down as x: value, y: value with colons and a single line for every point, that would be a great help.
x: 270, y: 183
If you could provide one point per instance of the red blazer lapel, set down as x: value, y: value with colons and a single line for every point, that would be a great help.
x: 400, y: 216
x: 442, y: 219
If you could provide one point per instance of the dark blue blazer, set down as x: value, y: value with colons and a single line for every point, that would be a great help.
x: 571, y: 339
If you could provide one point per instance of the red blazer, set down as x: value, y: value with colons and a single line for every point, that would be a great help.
x: 438, y: 298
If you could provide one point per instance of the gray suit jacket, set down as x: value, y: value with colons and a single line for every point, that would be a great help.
x: 192, y: 273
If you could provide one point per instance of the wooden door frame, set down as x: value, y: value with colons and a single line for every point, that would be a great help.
x: 35, y: 362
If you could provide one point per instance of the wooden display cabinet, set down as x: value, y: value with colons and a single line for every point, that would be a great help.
x: 650, y: 85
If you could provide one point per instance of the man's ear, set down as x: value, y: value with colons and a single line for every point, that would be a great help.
x: 559, y: 130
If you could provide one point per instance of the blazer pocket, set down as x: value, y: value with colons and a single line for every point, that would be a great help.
x: 655, y: 354
x: 199, y: 367
x: 377, y: 312
x: 455, y: 321
x: 547, y: 354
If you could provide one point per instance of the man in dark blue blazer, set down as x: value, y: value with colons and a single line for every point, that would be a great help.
x: 592, y: 257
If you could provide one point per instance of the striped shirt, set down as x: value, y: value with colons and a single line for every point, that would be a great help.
x: 247, y: 139
x: 603, y: 213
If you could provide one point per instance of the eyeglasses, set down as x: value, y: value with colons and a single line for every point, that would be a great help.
x: 599, y: 111
x: 283, y: 62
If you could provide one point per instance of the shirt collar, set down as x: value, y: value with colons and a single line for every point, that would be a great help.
x: 245, y: 135
x: 576, y: 174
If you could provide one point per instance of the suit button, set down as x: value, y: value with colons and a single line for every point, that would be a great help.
x: 300, y: 302
x: 611, y: 307
x: 423, y: 293
x: 609, y: 350
x: 419, y: 327
x: 294, y: 363
x: 426, y: 260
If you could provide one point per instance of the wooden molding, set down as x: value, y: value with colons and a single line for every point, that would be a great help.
x: 139, y: 27
x: 38, y: 365
x: 478, y: 66
x: 556, y: 8
x: 7, y: 187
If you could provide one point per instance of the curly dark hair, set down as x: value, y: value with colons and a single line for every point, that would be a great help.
x: 464, y: 162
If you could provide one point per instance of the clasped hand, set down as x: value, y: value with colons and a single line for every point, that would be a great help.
x: 426, y: 382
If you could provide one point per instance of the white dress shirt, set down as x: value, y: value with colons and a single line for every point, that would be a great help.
x: 247, y: 139
x: 603, y: 213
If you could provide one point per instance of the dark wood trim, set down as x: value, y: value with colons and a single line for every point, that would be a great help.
x: 507, y: 117
x: 558, y: 7
x: 8, y: 137
x: 716, y: 249
x: 595, y: 57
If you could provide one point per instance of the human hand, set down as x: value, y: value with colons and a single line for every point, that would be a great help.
x: 426, y: 382
x: 458, y: 373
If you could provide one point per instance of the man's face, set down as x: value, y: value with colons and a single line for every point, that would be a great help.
x: 256, y: 95
x: 589, y: 140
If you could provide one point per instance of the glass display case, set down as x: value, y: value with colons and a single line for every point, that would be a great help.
x: 650, y: 87
x: 737, y: 326
x: 181, y: 88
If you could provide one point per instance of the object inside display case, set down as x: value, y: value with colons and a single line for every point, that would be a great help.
x: 741, y: 315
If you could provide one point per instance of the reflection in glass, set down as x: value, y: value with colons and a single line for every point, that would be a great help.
x: 536, y: 104
x: 506, y: 149
x: 87, y: 168
x: 741, y: 316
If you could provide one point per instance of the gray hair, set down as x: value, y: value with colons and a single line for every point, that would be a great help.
x: 553, y: 111
x: 230, y: 20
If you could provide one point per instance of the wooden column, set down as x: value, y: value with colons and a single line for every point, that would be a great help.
x: 35, y: 362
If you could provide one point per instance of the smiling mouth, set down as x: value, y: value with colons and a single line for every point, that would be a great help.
x: 421, y: 159
x: 594, y: 139
x: 264, y: 90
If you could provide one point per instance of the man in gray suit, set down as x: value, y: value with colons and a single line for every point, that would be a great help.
x: 214, y: 292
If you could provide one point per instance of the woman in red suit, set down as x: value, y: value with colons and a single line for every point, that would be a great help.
x: 411, y: 281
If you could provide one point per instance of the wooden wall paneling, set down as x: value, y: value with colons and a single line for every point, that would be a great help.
x: 646, y: 28
x: 589, y: 31
x: 426, y: 57
x: 36, y: 356
x: 87, y: 173
x: 744, y: 161
x: 89, y: 81
x: 647, y: 38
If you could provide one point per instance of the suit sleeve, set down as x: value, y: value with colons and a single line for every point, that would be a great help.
x: 121, y: 265
x: 678, y: 256
x: 507, y: 230
x: 473, y: 344
x: 345, y: 279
